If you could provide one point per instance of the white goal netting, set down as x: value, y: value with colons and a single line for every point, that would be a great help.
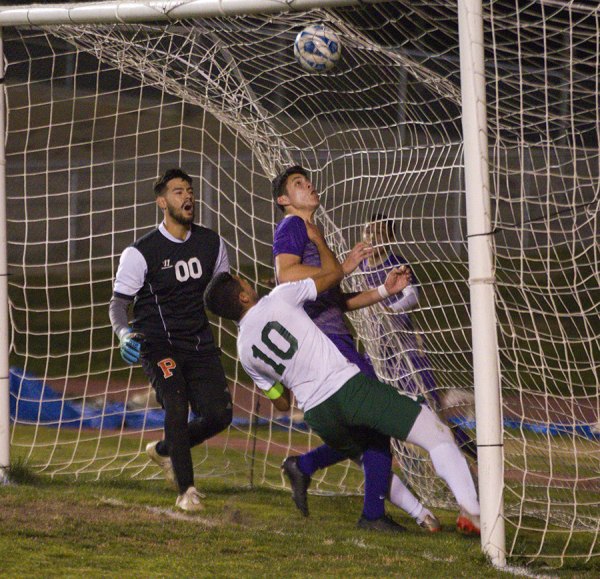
x: 95, y: 113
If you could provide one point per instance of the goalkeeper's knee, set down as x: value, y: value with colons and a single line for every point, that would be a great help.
x: 213, y: 420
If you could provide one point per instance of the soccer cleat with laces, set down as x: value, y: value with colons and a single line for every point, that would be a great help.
x: 430, y: 523
x: 384, y: 523
x: 164, y: 462
x: 299, y: 483
x: 190, y: 500
x: 468, y: 524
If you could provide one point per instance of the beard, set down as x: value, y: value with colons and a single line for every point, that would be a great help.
x: 178, y: 216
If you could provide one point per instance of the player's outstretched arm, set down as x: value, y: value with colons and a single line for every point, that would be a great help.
x: 396, y: 280
x: 408, y: 301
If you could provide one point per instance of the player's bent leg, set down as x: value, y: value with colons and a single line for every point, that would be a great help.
x: 167, y: 379
x: 377, y: 466
x: 299, y: 482
x: 400, y: 496
x: 177, y: 436
x: 215, y: 418
x: 321, y: 457
x: 430, y: 433
x: 299, y: 470
x: 164, y: 461
x: 209, y: 397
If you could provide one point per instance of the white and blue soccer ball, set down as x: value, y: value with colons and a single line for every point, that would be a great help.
x: 317, y: 48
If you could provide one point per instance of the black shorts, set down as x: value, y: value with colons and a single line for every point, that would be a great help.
x: 200, y: 375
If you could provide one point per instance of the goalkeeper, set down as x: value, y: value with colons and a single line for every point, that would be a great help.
x: 278, y: 343
x: 164, y: 274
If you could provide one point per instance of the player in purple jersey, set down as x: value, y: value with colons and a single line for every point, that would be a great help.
x: 411, y: 366
x: 297, y: 257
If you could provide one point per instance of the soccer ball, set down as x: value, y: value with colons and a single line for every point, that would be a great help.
x: 317, y: 48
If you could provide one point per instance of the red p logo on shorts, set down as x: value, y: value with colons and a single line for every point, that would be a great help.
x: 167, y: 366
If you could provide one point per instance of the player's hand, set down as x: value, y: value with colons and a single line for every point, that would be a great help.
x: 397, y: 279
x: 358, y: 254
x: 130, y: 346
x: 314, y: 233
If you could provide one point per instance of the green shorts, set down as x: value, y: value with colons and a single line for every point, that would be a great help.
x: 345, y: 421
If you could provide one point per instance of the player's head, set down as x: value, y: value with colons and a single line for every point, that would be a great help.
x: 229, y: 296
x: 175, y: 196
x: 381, y: 230
x: 293, y: 191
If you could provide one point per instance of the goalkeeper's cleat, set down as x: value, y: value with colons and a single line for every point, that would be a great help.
x: 384, y: 523
x: 468, y: 524
x: 299, y: 483
x: 164, y: 462
x: 190, y: 500
x: 430, y: 523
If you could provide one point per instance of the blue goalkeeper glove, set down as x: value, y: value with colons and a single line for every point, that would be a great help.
x: 130, y: 346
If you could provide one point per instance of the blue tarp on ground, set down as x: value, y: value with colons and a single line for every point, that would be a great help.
x: 34, y: 402
x: 540, y: 428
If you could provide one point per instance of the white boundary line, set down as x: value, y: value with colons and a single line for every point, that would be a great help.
x: 169, y: 513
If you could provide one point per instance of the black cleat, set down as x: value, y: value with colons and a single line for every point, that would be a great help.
x: 299, y: 482
x: 384, y: 523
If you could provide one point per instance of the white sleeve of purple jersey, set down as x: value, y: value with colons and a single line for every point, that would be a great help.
x: 296, y: 292
x: 408, y: 301
x: 131, y: 273
x: 222, y: 264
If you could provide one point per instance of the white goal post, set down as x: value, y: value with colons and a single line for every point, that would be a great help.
x: 471, y: 129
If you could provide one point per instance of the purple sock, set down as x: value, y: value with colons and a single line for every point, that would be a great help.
x: 320, y: 457
x: 377, y: 465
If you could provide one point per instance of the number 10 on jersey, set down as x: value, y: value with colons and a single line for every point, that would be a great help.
x: 274, y: 349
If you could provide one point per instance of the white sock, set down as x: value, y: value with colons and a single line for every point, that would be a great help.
x: 430, y: 433
x: 400, y: 496
x: 451, y: 465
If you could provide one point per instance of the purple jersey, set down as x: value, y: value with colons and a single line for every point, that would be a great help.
x: 326, y: 311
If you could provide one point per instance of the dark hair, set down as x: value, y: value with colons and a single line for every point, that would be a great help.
x: 280, y: 181
x: 221, y: 296
x: 161, y: 183
x: 390, y: 224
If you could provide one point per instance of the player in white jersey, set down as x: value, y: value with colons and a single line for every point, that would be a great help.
x: 270, y: 351
x: 279, y: 344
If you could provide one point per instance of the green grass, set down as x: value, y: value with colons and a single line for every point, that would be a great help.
x: 128, y: 528
x: 124, y: 526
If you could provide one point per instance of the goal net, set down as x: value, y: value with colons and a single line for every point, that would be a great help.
x: 96, y: 112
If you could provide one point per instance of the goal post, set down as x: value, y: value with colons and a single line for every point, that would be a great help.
x: 482, y: 279
x: 4, y: 334
x: 470, y: 129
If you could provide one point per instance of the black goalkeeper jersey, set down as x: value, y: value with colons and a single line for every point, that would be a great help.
x: 169, y: 308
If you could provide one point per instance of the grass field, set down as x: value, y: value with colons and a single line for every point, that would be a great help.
x: 64, y: 527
